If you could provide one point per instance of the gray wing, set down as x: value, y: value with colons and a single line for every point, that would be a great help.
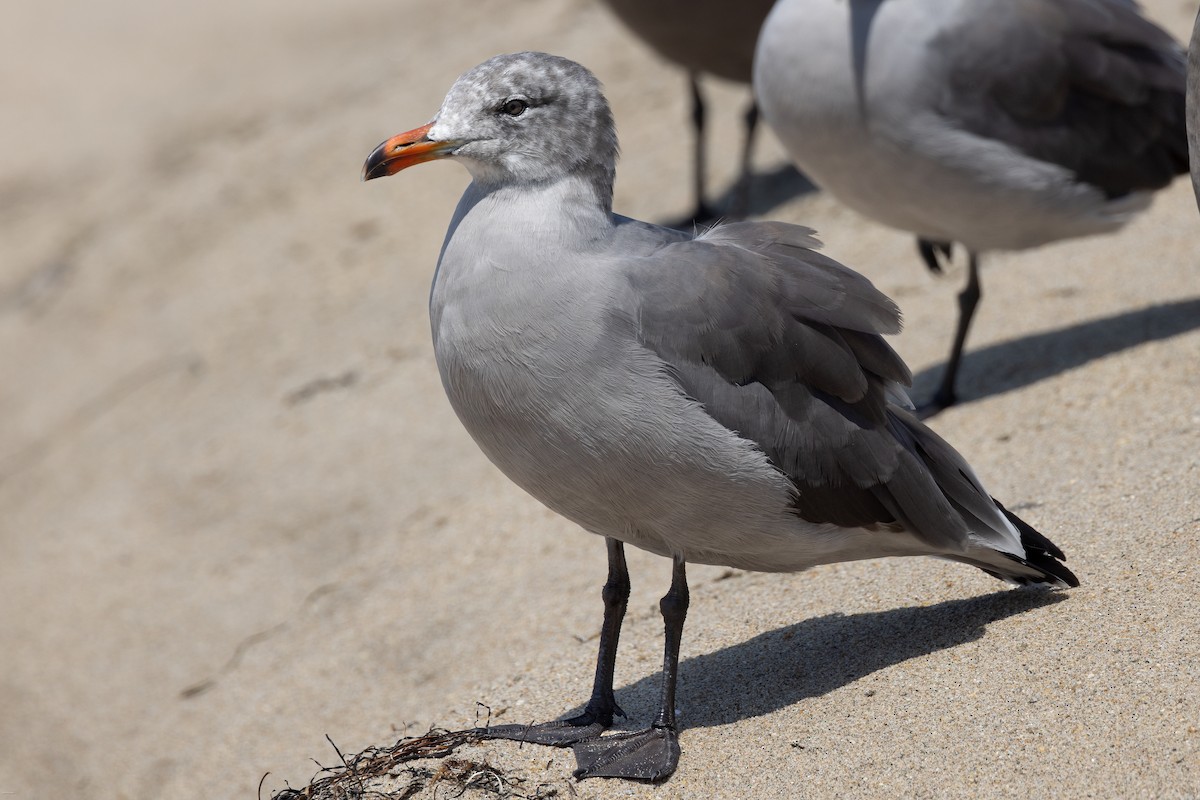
x: 782, y: 345
x: 1090, y: 85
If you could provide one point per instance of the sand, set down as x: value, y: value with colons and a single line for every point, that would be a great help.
x: 237, y: 514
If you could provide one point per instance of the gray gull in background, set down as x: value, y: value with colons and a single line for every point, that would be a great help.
x: 997, y: 124
x: 705, y: 37
x: 722, y: 398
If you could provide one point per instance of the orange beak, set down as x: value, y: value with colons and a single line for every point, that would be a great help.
x: 404, y: 150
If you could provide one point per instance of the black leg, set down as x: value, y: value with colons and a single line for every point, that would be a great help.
x: 702, y: 214
x: 968, y: 300
x: 741, y: 197
x: 699, y: 161
x: 616, y: 597
x: 674, y: 608
x: 651, y: 754
x: 599, y: 712
x: 932, y: 252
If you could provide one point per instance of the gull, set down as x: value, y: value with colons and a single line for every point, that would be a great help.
x: 998, y: 124
x: 714, y: 37
x: 718, y: 398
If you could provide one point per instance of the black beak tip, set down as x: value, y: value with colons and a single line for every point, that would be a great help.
x: 375, y: 166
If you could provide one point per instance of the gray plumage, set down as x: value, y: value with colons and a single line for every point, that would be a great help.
x: 725, y: 398
x: 998, y: 124
x: 1089, y: 85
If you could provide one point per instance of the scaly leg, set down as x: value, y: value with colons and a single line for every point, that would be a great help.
x: 741, y: 197
x: 703, y: 213
x: 651, y: 754
x: 600, y: 709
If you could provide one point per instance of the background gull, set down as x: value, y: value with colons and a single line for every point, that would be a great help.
x: 723, y: 398
x: 999, y: 125
x: 705, y: 37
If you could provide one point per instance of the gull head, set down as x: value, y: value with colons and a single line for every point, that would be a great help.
x: 516, y: 118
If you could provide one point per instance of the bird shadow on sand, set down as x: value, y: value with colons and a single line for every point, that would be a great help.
x: 768, y: 191
x: 813, y: 657
x: 1017, y: 363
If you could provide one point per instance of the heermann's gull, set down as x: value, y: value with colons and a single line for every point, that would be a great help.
x: 1001, y: 125
x: 722, y: 398
x: 705, y: 37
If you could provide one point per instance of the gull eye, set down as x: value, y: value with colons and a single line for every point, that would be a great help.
x: 514, y: 107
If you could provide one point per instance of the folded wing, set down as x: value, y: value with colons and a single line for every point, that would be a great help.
x: 783, y: 345
x: 1090, y: 85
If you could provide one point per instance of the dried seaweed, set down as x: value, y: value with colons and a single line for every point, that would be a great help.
x: 360, y: 776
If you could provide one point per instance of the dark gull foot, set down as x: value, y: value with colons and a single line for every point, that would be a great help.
x: 558, y: 733
x: 649, y: 755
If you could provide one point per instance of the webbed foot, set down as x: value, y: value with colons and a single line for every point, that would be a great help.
x: 556, y: 733
x: 649, y: 755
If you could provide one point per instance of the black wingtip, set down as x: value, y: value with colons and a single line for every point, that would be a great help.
x: 1040, y: 553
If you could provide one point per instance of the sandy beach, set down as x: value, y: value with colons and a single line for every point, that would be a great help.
x: 238, y: 516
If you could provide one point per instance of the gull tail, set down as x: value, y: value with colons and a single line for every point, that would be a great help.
x: 1042, y: 564
x: 995, y: 540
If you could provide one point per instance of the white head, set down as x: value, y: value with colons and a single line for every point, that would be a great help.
x: 514, y: 119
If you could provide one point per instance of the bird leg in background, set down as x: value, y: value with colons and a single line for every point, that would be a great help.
x: 968, y: 299
x: 600, y: 709
x: 739, y: 207
x: 702, y: 213
x: 932, y: 252
x: 741, y: 197
x: 651, y: 754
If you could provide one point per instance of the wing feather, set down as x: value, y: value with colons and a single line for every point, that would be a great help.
x: 783, y: 346
x: 1090, y: 85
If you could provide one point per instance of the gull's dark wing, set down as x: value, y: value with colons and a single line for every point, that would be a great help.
x: 1090, y: 85
x: 783, y: 345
